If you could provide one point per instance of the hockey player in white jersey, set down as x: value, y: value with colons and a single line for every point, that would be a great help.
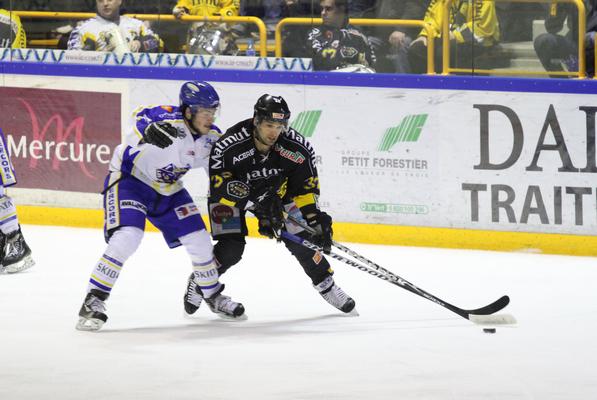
x: 144, y: 184
x: 15, y: 254
x: 109, y: 31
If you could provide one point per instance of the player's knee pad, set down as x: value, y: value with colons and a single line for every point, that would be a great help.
x: 229, y: 251
x: 198, y: 245
x: 124, y: 242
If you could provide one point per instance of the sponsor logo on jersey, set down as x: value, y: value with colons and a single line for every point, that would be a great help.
x: 221, y: 213
x: 263, y: 173
x: 243, y: 156
x: 293, y: 156
x: 134, y: 205
x: 238, y: 189
x: 223, y: 144
x: 168, y: 108
x: 186, y: 210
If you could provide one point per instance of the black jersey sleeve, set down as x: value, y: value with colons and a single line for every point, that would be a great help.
x: 302, y: 184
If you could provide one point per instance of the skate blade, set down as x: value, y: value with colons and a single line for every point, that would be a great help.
x: 22, y: 265
x: 231, y: 318
x: 89, y: 324
x: 352, y: 313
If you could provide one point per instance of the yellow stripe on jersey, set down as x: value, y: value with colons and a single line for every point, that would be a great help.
x: 305, y: 200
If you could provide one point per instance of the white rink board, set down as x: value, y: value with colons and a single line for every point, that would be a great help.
x: 420, y: 183
x: 431, y: 179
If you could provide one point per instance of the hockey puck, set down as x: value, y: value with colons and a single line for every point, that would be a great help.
x: 489, y: 330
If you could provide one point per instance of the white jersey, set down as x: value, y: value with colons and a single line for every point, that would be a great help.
x: 162, y: 169
x: 100, y: 34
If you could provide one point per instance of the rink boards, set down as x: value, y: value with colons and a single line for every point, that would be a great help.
x: 490, y: 163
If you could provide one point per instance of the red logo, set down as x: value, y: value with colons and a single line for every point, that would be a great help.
x: 221, y: 213
x: 60, y: 139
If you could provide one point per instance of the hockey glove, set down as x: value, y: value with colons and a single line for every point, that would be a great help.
x: 322, y: 223
x: 160, y: 134
x: 270, y: 214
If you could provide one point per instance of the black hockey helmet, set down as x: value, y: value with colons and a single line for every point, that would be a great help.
x: 271, y: 108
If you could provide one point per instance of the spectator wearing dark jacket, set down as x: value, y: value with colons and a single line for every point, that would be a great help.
x: 558, y: 52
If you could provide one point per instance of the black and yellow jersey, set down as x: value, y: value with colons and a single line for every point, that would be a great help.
x: 12, y: 33
x: 470, y: 21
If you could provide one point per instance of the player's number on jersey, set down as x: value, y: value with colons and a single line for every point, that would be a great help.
x: 216, y: 181
x: 312, y: 183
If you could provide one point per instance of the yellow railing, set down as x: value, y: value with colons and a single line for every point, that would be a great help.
x: 161, y: 17
x: 581, y: 42
x: 358, y: 21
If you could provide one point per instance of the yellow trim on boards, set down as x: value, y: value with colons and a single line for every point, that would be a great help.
x: 576, y: 245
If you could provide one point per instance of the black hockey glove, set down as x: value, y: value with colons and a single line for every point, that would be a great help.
x: 160, y: 134
x: 322, y: 223
x: 270, y: 214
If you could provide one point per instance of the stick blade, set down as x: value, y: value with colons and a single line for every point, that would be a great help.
x: 494, y: 319
x: 492, y: 308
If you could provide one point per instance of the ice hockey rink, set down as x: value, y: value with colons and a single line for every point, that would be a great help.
x: 294, y: 345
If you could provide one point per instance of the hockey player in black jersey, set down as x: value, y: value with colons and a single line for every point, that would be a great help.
x: 262, y: 165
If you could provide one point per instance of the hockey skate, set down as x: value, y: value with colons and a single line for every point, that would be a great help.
x: 225, y: 308
x: 336, y: 296
x: 192, y: 298
x: 92, y: 314
x: 17, y: 255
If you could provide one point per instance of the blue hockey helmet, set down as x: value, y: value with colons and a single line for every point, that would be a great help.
x: 198, y: 94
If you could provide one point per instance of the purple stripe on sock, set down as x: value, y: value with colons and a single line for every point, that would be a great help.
x: 209, y: 287
x: 204, y: 264
x: 99, y: 285
x: 8, y: 220
x: 115, y: 261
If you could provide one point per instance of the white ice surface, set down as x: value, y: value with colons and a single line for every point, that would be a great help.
x: 294, y: 345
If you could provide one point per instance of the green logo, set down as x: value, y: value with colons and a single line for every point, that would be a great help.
x: 306, y: 122
x: 409, y: 130
x: 389, y: 208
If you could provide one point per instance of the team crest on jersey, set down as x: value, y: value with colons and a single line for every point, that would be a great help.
x: 238, y: 189
x: 186, y: 210
x: 348, y: 52
x: 170, y: 173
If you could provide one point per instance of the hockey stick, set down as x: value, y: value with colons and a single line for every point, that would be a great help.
x: 479, y: 316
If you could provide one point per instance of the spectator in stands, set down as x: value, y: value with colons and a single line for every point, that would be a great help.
x: 557, y: 52
x: 226, y: 8
x: 474, y: 32
x: 12, y: 33
x: 516, y: 20
x: 209, y: 37
x: 109, y: 31
x: 293, y: 36
x: 391, y: 44
x: 336, y: 44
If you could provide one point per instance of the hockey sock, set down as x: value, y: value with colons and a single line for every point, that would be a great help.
x: 122, y: 244
x: 8, y: 215
x: 205, y: 269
